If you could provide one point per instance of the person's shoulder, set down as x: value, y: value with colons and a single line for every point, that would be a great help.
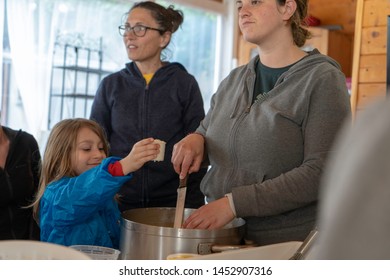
x: 175, y: 66
x: 315, y: 58
x: 117, y: 79
x: 20, y: 134
x: 28, y: 137
x: 243, y: 70
x: 117, y: 74
x: 9, y: 131
x: 27, y: 143
x: 128, y: 70
x: 54, y: 186
x: 247, y: 67
x: 177, y: 70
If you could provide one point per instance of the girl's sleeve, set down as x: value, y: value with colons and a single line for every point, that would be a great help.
x: 115, y: 169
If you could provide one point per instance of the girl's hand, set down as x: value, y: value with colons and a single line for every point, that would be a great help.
x: 142, y: 152
x: 214, y: 215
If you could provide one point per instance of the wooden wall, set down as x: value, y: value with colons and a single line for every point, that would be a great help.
x: 335, y: 12
x: 369, y: 64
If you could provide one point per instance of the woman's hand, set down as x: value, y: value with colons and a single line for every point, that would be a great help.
x: 142, y: 152
x: 187, y: 154
x: 214, y: 215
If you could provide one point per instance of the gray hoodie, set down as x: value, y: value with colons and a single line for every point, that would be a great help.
x: 270, y: 155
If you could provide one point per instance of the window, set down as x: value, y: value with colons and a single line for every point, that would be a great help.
x: 28, y: 59
x: 195, y: 46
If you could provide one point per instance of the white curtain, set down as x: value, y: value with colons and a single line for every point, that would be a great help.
x: 1, y: 50
x: 30, y: 26
x: 33, y: 26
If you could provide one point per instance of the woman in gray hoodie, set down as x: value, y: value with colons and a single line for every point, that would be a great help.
x: 269, y: 130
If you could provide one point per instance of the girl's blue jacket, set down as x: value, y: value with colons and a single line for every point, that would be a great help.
x: 81, y: 210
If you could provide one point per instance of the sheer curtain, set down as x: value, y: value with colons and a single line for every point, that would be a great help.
x: 33, y: 27
x: 1, y: 50
x: 30, y: 27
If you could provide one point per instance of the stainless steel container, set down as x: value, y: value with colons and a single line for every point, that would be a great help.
x: 148, y: 234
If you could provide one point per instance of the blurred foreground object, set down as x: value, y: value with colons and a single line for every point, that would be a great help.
x: 355, y: 200
x: 36, y: 250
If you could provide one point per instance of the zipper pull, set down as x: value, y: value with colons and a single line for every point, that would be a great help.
x: 248, y: 109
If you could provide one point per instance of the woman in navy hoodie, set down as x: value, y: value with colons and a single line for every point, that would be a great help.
x: 150, y: 98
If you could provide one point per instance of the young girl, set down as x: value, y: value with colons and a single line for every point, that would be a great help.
x: 75, y: 202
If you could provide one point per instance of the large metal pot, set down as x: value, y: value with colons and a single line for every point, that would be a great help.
x: 148, y: 234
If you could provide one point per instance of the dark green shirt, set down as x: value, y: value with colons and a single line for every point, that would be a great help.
x: 266, y: 78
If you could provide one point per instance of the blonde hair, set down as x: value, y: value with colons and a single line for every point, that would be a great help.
x: 60, y: 147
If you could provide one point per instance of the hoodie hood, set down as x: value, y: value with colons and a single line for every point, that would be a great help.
x: 169, y: 68
x: 312, y: 63
x: 313, y: 59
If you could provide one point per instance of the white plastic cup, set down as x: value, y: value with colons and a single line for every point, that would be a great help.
x: 160, y: 156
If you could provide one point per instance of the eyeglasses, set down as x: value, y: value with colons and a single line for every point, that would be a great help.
x: 138, y: 30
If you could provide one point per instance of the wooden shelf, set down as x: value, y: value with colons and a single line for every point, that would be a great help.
x: 83, y: 69
x: 336, y: 44
x: 74, y: 95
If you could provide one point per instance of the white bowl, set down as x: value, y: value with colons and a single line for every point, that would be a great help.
x: 37, y: 250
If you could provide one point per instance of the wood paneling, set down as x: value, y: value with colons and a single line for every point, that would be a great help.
x: 369, y: 93
x: 371, y: 69
x: 369, y: 64
x: 371, y: 17
x: 335, y: 12
x: 337, y: 45
x: 319, y: 39
x: 373, y: 40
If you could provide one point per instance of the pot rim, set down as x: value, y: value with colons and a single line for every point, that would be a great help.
x: 236, y: 225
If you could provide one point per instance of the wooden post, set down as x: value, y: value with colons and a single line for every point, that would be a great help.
x: 356, y: 56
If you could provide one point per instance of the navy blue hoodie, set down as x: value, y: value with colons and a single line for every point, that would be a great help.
x: 169, y: 108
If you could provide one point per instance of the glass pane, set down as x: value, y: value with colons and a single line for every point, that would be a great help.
x: 194, y: 46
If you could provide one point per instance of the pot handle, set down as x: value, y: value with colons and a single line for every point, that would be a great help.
x: 208, y: 248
